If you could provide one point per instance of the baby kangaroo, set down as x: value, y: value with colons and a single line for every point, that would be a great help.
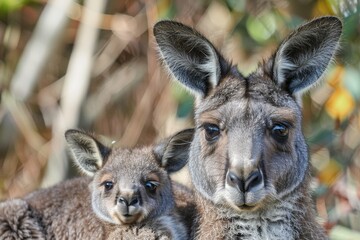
x: 127, y: 196
x: 248, y: 159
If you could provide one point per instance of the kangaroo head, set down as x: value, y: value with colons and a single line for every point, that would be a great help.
x: 248, y: 147
x: 129, y: 185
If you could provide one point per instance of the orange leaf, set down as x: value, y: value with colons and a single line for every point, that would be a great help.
x: 330, y: 173
x: 340, y: 104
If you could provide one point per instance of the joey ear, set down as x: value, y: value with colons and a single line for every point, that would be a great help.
x: 88, y: 153
x: 173, y: 152
x: 190, y: 57
x: 303, y: 57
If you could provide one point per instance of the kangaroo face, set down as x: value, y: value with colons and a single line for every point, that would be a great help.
x: 130, y: 185
x: 248, y: 149
x: 245, y: 147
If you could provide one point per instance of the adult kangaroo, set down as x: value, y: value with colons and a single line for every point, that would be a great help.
x: 248, y: 159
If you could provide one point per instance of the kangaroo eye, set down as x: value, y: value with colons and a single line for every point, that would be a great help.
x: 151, y: 186
x: 108, y: 185
x: 212, y: 132
x: 280, y: 132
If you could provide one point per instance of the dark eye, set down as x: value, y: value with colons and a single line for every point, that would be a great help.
x: 280, y: 132
x: 212, y: 131
x: 151, y: 186
x: 108, y: 185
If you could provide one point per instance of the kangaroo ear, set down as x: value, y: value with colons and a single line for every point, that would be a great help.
x: 303, y: 57
x: 190, y: 57
x: 173, y: 152
x: 88, y: 153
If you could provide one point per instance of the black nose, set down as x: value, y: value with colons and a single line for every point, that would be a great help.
x: 234, y: 181
x: 255, y: 179
x: 129, y: 201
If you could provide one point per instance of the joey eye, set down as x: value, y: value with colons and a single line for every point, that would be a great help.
x: 212, y: 132
x: 151, y: 186
x: 280, y: 132
x: 108, y: 185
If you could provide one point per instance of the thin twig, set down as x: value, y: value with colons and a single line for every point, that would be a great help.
x: 75, y: 88
x: 36, y: 53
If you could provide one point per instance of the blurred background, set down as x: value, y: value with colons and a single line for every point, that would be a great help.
x: 93, y: 65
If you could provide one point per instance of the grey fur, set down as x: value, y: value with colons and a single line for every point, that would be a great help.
x: 82, y: 208
x: 252, y: 179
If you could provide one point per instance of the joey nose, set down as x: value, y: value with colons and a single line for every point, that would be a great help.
x: 134, y: 201
x: 130, y: 201
x: 123, y: 201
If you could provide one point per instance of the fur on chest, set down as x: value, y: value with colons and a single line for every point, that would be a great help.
x: 276, y: 223
x: 260, y: 228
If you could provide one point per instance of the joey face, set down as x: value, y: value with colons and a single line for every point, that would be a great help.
x: 131, y: 187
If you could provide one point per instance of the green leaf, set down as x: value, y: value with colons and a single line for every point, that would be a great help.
x: 236, y: 5
x: 9, y: 6
x: 343, y: 233
x: 352, y: 82
x: 322, y: 137
x: 261, y: 28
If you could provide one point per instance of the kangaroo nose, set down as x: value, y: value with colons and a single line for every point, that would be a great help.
x: 255, y: 179
x: 234, y: 181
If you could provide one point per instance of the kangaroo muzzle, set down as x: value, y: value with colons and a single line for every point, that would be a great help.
x: 253, y: 182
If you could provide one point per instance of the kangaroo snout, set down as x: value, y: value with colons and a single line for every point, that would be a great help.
x: 129, y: 201
x: 253, y: 182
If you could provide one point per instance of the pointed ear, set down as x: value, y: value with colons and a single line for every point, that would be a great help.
x: 190, y: 57
x: 303, y: 57
x: 173, y: 152
x: 88, y: 153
